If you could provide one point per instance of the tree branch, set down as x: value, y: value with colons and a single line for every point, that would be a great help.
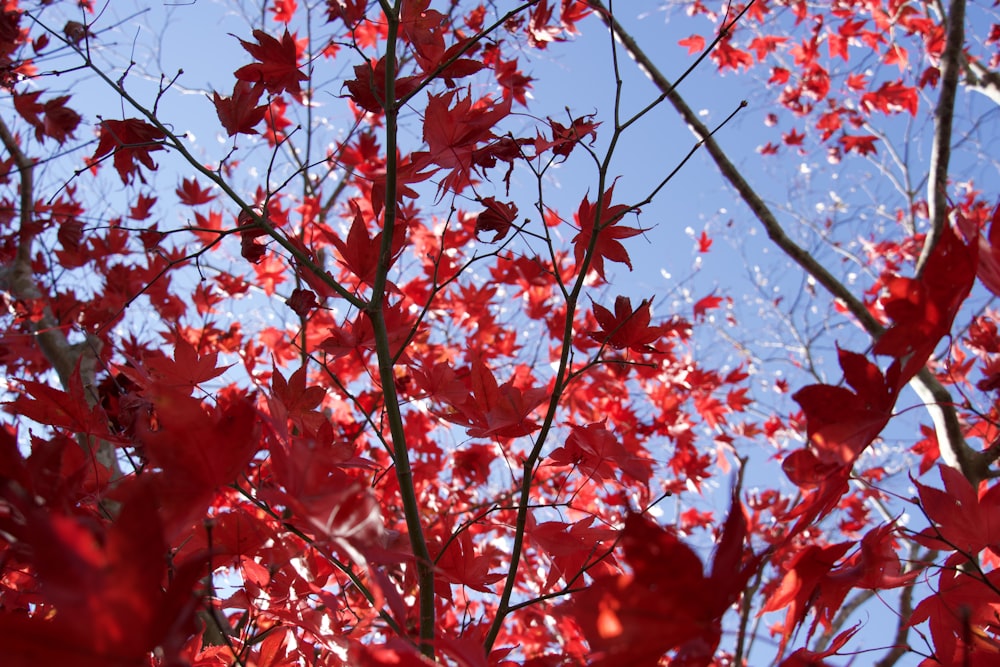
x: 981, y: 79
x: 937, y: 183
x: 49, y: 332
x: 386, y: 359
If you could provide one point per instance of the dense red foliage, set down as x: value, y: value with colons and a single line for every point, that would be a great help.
x: 355, y: 397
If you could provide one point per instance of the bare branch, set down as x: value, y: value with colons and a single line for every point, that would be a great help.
x: 937, y: 183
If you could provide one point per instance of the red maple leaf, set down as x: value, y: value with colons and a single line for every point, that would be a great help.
x: 765, y: 44
x: 804, y: 657
x: 459, y: 564
x: 140, y: 210
x: 841, y: 423
x: 298, y: 402
x: 196, y: 449
x: 513, y: 82
x: 351, y: 12
x: 705, y: 304
x: 807, y: 584
x: 498, y: 217
x: 190, y: 193
x: 892, y: 97
x: 607, y: 233
x: 103, y: 600
x: 491, y: 410
x: 704, y: 242
x: 793, y: 138
x: 565, y: 139
x: 962, y: 605
x: 455, y: 128
x: 129, y: 140
x: 627, y: 329
x: 359, y: 335
x: 367, y: 88
x: 726, y: 55
x: 278, y: 69
x: 424, y: 29
x: 186, y: 370
x: 988, y: 269
x: 302, y: 301
x: 694, y: 44
x: 240, y: 113
x: 69, y: 410
x: 597, y: 451
x: 922, y: 310
x: 962, y: 519
x: 571, y: 546
x: 284, y: 10
x: 57, y: 121
x: 360, y: 253
x: 668, y: 602
x: 863, y: 144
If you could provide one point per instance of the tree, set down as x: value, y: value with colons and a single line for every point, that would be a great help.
x: 356, y: 385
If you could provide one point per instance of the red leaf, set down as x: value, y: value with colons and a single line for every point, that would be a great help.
x: 186, y: 370
x: 807, y: 584
x: 455, y: 128
x: 765, y: 44
x: 339, y: 510
x: 565, y: 139
x: 101, y: 598
x: 596, y: 451
x: 570, y: 547
x: 278, y: 66
x: 706, y: 304
x: 302, y: 301
x: 360, y: 253
x: 459, y: 564
x: 961, y: 606
x: 58, y: 121
x: 284, y: 10
x: 667, y: 603
x: 863, y: 144
x: 626, y: 329
x: 961, y: 519
x: 69, y: 410
x: 197, y: 449
x: 694, y: 44
x: 725, y: 55
x: 892, y: 97
x: 923, y: 310
x: 492, y: 410
x: 793, y: 138
x: 704, y: 242
x: 498, y: 217
x: 140, y: 210
x: 367, y: 88
x: 240, y: 113
x: 803, y: 657
x: 513, y: 82
x: 606, y: 245
x: 988, y: 269
x: 129, y: 140
x: 190, y: 193
x: 841, y: 423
